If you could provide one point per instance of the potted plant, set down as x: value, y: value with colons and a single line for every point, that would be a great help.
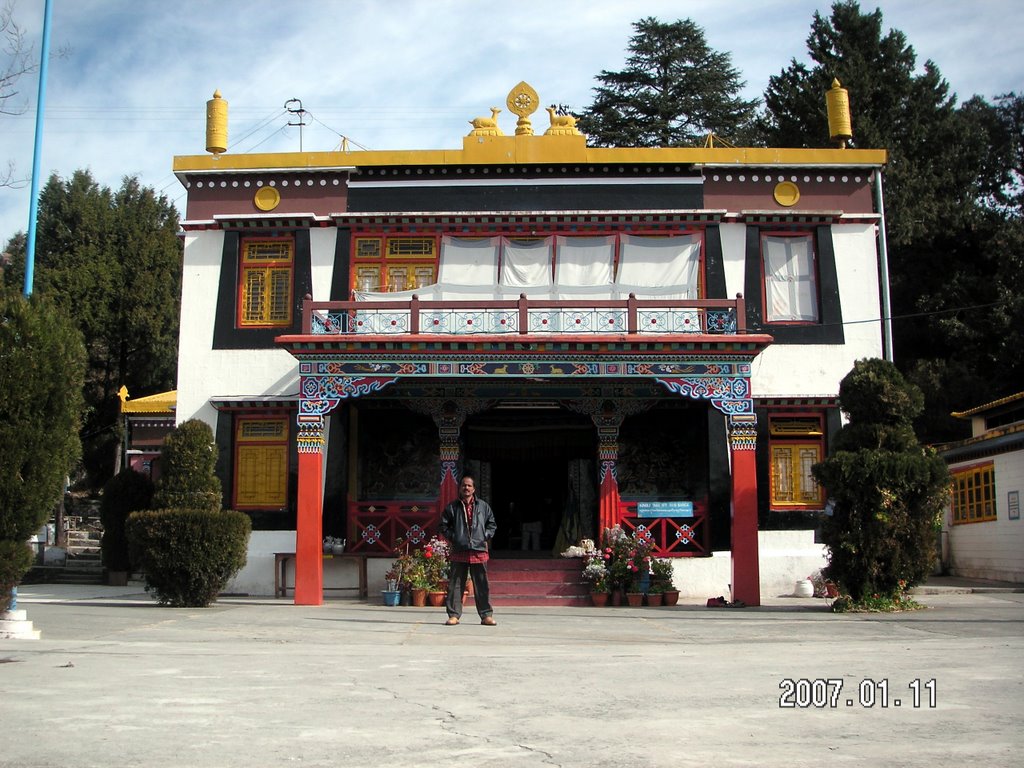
x: 436, y: 567
x: 662, y: 573
x: 655, y: 593
x: 596, y: 572
x: 629, y: 562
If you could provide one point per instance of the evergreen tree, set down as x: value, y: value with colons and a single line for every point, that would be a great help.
x: 951, y: 184
x: 42, y: 363
x: 112, y: 262
x: 188, y: 462
x: 674, y: 90
x: 888, y: 491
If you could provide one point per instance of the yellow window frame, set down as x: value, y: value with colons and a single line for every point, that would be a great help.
x: 266, y: 283
x: 261, y: 463
x: 974, y: 494
x: 792, y: 484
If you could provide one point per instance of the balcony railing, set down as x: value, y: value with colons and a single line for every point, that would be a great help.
x: 524, y: 316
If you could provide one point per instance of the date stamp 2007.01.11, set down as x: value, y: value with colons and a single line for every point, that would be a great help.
x: 827, y: 693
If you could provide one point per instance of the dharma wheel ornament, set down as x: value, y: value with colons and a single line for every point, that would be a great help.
x: 523, y: 101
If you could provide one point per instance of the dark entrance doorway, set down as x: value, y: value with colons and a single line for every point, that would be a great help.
x: 536, y: 467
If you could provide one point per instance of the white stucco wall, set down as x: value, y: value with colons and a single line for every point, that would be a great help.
x: 204, y: 372
x: 993, y: 549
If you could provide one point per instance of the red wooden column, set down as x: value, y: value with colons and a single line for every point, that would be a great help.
x: 608, y: 420
x: 309, y: 564
x: 746, y: 576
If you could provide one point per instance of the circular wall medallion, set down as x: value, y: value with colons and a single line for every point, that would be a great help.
x: 266, y: 198
x: 786, y: 193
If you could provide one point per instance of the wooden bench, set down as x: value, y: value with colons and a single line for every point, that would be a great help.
x: 281, y: 572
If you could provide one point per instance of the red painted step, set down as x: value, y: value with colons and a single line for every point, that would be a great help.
x: 533, y: 581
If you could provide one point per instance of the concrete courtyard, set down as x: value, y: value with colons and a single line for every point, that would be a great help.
x: 116, y: 680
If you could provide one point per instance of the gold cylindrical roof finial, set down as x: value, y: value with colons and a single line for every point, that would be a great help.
x: 837, y: 103
x: 216, y: 124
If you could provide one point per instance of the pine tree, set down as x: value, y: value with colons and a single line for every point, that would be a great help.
x: 950, y: 184
x: 112, y: 261
x: 674, y: 90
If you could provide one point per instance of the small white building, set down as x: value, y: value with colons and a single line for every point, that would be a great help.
x: 983, y: 530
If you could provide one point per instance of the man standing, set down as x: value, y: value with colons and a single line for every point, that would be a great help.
x: 468, y: 524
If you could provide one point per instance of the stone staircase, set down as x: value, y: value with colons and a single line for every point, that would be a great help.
x: 83, y: 564
x: 531, y: 581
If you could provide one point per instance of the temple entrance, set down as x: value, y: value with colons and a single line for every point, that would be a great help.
x: 536, y: 467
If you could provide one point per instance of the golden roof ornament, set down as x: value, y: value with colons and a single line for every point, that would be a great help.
x: 523, y: 101
x: 561, y: 124
x: 486, y: 126
x: 837, y: 104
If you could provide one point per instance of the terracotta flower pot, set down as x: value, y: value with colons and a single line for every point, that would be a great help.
x: 635, y: 599
x: 419, y: 598
x: 600, y: 599
x: 654, y: 599
x: 671, y: 597
x: 436, y: 598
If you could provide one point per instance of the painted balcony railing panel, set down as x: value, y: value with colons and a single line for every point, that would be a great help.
x: 525, y: 316
x: 375, y: 526
x: 672, y: 536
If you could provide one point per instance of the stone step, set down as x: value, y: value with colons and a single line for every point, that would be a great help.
x: 14, y: 625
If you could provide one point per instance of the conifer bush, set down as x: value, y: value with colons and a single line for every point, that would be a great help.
x: 188, y: 555
x: 187, y: 546
x: 188, y: 461
x: 887, y: 490
x: 128, y: 491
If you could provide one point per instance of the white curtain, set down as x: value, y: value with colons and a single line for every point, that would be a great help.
x: 469, y: 261
x: 670, y: 265
x: 584, y: 261
x: 790, y: 289
x: 526, y: 263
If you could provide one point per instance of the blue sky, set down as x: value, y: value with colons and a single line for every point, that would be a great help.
x: 130, y: 93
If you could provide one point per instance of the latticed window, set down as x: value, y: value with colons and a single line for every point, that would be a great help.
x: 393, y: 264
x: 974, y: 494
x: 261, y: 463
x: 266, y: 283
x: 796, y: 445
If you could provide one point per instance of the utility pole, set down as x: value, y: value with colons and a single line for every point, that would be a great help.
x: 300, y: 112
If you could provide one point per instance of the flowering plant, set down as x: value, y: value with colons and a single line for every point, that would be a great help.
x: 596, y: 572
x: 434, y: 556
x: 628, y: 557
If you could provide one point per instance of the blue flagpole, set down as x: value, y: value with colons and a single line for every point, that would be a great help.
x: 33, y: 203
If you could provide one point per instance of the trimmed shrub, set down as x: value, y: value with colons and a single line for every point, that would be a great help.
x: 188, y: 555
x: 15, y: 559
x: 888, y: 491
x: 188, y: 462
x: 128, y: 491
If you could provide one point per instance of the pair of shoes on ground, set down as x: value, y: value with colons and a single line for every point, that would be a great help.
x: 721, y: 602
x: 487, y: 621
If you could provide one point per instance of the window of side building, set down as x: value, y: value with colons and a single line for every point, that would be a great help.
x: 974, y: 493
x: 796, y: 443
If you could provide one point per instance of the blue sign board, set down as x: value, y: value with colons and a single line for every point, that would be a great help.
x: 664, y: 509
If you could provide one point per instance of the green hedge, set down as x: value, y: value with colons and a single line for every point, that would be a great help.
x: 188, y: 555
x: 15, y: 559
